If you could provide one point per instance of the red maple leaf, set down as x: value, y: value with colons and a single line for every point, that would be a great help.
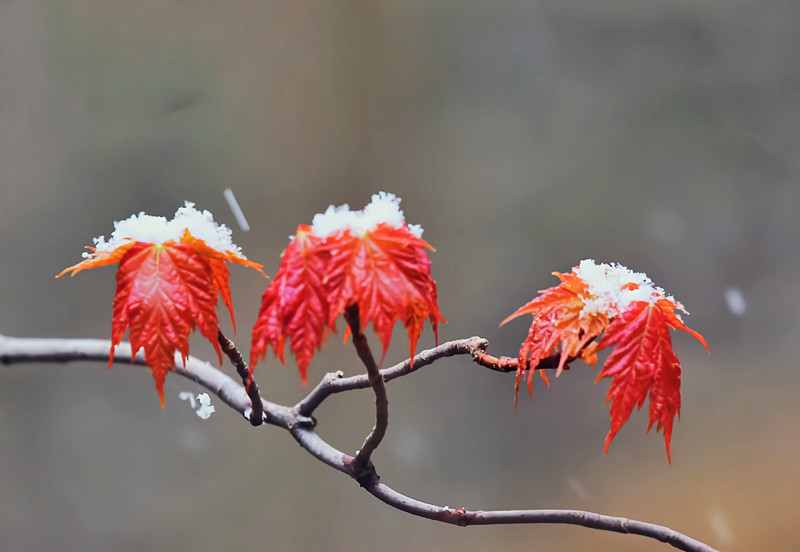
x: 294, y: 305
x: 388, y: 274
x: 643, y: 362
x: 165, y: 291
x: 217, y: 262
x: 558, y: 325
x: 386, y: 271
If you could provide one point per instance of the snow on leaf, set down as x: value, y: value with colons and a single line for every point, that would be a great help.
x: 387, y: 272
x: 625, y: 309
x: 383, y: 209
x: 611, y: 287
x: 146, y: 228
x: 166, y: 289
x: 294, y: 305
x: 371, y: 258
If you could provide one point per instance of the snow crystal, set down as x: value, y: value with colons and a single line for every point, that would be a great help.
x: 606, y: 294
x: 579, y: 489
x: 721, y: 527
x: 384, y: 208
x: 736, y: 302
x: 206, y: 408
x: 151, y: 229
x: 187, y: 396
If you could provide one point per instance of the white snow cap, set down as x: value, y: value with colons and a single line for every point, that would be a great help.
x: 384, y: 208
x: 150, y: 229
x: 605, y: 283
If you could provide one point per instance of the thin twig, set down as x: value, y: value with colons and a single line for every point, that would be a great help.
x: 256, y: 414
x: 335, y: 382
x: 508, y: 364
x: 362, y: 458
x: 20, y: 350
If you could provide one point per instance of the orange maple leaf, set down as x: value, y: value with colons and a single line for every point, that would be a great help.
x: 558, y: 324
x: 625, y: 309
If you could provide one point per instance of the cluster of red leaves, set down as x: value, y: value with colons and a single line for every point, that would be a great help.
x: 386, y: 272
x: 167, y: 290
x: 164, y: 292
x: 643, y: 362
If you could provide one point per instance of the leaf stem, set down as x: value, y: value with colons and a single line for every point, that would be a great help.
x: 508, y: 364
x: 256, y: 416
x: 361, y: 461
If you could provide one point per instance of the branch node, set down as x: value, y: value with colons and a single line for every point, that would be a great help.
x: 366, y: 476
x: 299, y: 420
x: 456, y: 516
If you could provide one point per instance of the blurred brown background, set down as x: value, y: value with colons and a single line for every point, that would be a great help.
x: 524, y: 137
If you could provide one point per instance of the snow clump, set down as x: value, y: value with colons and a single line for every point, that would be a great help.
x: 384, y: 208
x: 613, y: 287
x: 151, y: 229
x: 206, y: 408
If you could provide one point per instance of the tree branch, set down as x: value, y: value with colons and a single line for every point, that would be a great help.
x: 298, y: 422
x: 14, y: 350
x: 338, y: 460
x: 375, y: 379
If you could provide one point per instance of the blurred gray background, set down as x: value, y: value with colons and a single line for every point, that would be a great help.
x: 524, y: 137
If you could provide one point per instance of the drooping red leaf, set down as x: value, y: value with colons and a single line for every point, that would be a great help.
x: 387, y: 273
x: 385, y: 270
x: 643, y: 363
x: 294, y: 305
x: 558, y: 325
x: 163, y: 293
